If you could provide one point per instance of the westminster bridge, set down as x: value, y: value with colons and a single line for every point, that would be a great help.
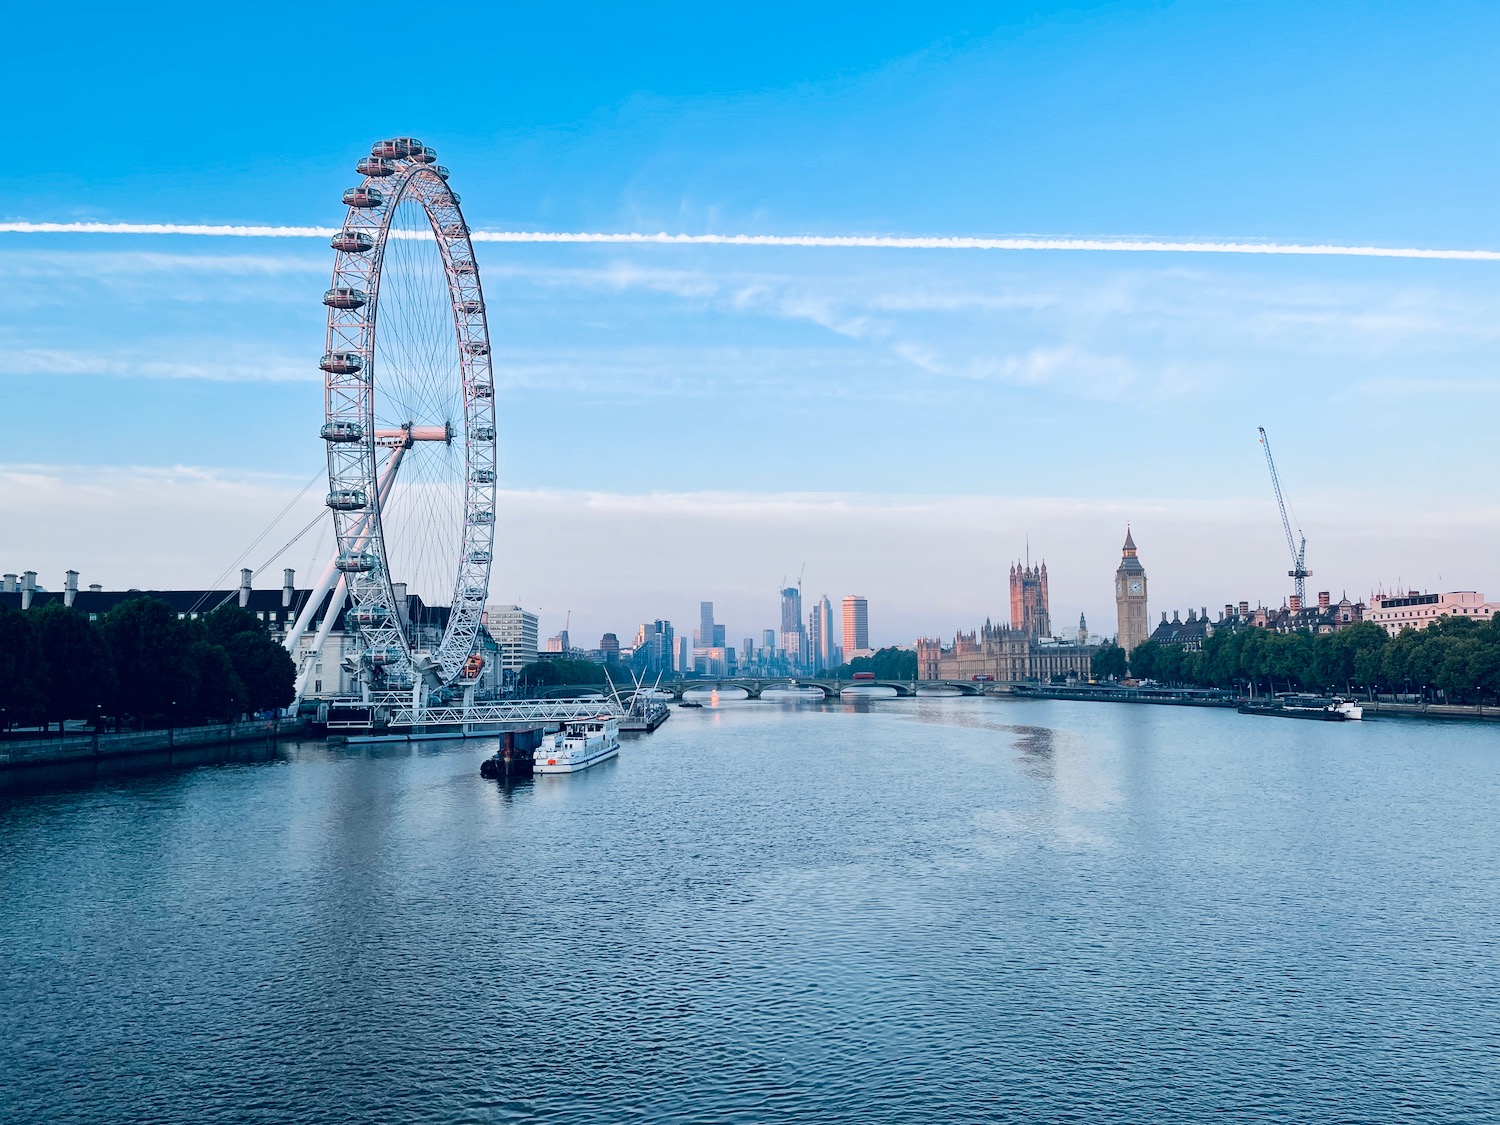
x: 754, y: 686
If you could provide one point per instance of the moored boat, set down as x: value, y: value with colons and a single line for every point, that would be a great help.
x: 1315, y: 707
x: 578, y: 746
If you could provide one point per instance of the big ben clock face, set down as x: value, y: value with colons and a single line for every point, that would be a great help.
x: 1135, y: 585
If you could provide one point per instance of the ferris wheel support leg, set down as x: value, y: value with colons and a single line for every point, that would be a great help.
x: 304, y: 619
x: 335, y: 604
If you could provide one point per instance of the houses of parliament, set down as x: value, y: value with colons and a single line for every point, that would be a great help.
x: 1025, y: 650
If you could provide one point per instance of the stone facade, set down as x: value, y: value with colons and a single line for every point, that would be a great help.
x: 1028, y: 600
x: 995, y: 652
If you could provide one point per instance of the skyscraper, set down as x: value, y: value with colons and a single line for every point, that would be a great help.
x: 856, y: 624
x: 793, y: 633
x: 820, y: 635
x: 705, y: 636
x: 655, y: 641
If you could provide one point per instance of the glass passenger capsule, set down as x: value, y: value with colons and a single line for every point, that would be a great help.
x: 410, y: 144
x: 425, y: 154
x: 342, y: 432
x: 356, y: 562
x: 455, y: 230
x: 341, y: 298
x: 483, y: 476
x: 483, y: 433
x: 441, y: 171
x: 347, y: 500
x: 376, y: 167
x: 482, y: 517
x: 363, y: 197
x: 464, y: 266
x: 477, y: 347
x: 484, y: 390
x: 352, y: 242
x: 341, y: 363
x: 370, y: 616
x: 478, y: 556
x: 395, y: 149
x: 381, y: 656
x: 471, y: 308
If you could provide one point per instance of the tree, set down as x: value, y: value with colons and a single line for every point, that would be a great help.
x: 149, y: 648
x: 266, y: 671
x: 889, y: 663
x: 78, y: 674
x: 21, y: 698
x: 1143, y: 660
x: 1108, y: 663
x: 220, y: 695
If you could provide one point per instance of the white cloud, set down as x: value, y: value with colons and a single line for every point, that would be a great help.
x: 230, y: 367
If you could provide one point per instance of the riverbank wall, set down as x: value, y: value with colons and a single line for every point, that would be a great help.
x: 23, y: 753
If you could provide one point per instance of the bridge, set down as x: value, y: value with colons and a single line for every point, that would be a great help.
x: 755, y: 685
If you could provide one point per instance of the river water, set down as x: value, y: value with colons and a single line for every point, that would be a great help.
x: 900, y: 911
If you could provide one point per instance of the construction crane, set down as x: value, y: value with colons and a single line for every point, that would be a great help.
x: 1297, y: 545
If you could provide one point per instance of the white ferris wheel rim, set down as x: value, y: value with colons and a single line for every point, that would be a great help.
x: 363, y: 461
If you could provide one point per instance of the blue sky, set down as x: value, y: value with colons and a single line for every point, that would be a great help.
x: 900, y: 420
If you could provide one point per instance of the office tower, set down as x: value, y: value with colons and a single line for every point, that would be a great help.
x: 856, y: 624
x: 515, y: 634
x: 814, y: 634
x: 705, y: 637
x: 747, y: 648
x: 609, y: 645
x: 793, y: 632
x: 825, y: 646
x: 654, y: 640
x: 684, y: 658
x: 768, y: 639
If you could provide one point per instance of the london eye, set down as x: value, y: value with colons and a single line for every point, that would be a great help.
x: 409, y: 425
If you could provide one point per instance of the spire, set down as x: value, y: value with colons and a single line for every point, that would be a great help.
x: 1129, y: 539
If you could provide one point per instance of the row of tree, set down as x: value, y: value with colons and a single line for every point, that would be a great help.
x: 887, y: 664
x: 1455, y: 657
x: 138, y: 665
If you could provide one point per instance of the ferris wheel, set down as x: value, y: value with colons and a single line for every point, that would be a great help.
x: 409, y: 426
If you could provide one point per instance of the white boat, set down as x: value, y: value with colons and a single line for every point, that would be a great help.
x: 578, y: 746
x: 1348, y: 708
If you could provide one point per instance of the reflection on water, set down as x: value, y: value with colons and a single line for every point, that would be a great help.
x: 854, y: 911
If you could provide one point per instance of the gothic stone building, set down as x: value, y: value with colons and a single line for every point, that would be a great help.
x: 1021, y: 652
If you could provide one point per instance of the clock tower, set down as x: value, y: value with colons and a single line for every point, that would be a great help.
x: 1130, y: 597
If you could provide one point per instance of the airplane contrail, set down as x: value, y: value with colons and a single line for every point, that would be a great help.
x: 836, y: 242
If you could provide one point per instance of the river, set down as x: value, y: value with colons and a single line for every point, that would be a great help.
x: 927, y: 910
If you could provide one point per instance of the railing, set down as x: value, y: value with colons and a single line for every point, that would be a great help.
x: 19, y: 752
x: 504, y: 711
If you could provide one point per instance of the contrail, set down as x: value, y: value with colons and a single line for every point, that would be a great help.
x: 833, y: 242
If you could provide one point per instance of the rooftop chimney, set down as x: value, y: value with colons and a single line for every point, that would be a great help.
x: 245, y: 575
x: 1163, y: 617
x: 1323, y: 599
x: 1176, y: 619
x: 288, y: 585
x: 1294, y: 603
x: 70, y: 588
x: 1244, y: 609
x: 8, y: 584
x: 95, y: 588
x: 1193, y: 614
x: 28, y: 587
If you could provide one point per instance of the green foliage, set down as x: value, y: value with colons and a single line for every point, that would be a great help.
x: 140, y: 664
x: 1456, y: 656
x: 21, y: 678
x: 562, y: 673
x: 266, y: 673
x: 78, y: 676
x: 886, y: 663
x: 1108, y: 663
x: 149, y: 645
